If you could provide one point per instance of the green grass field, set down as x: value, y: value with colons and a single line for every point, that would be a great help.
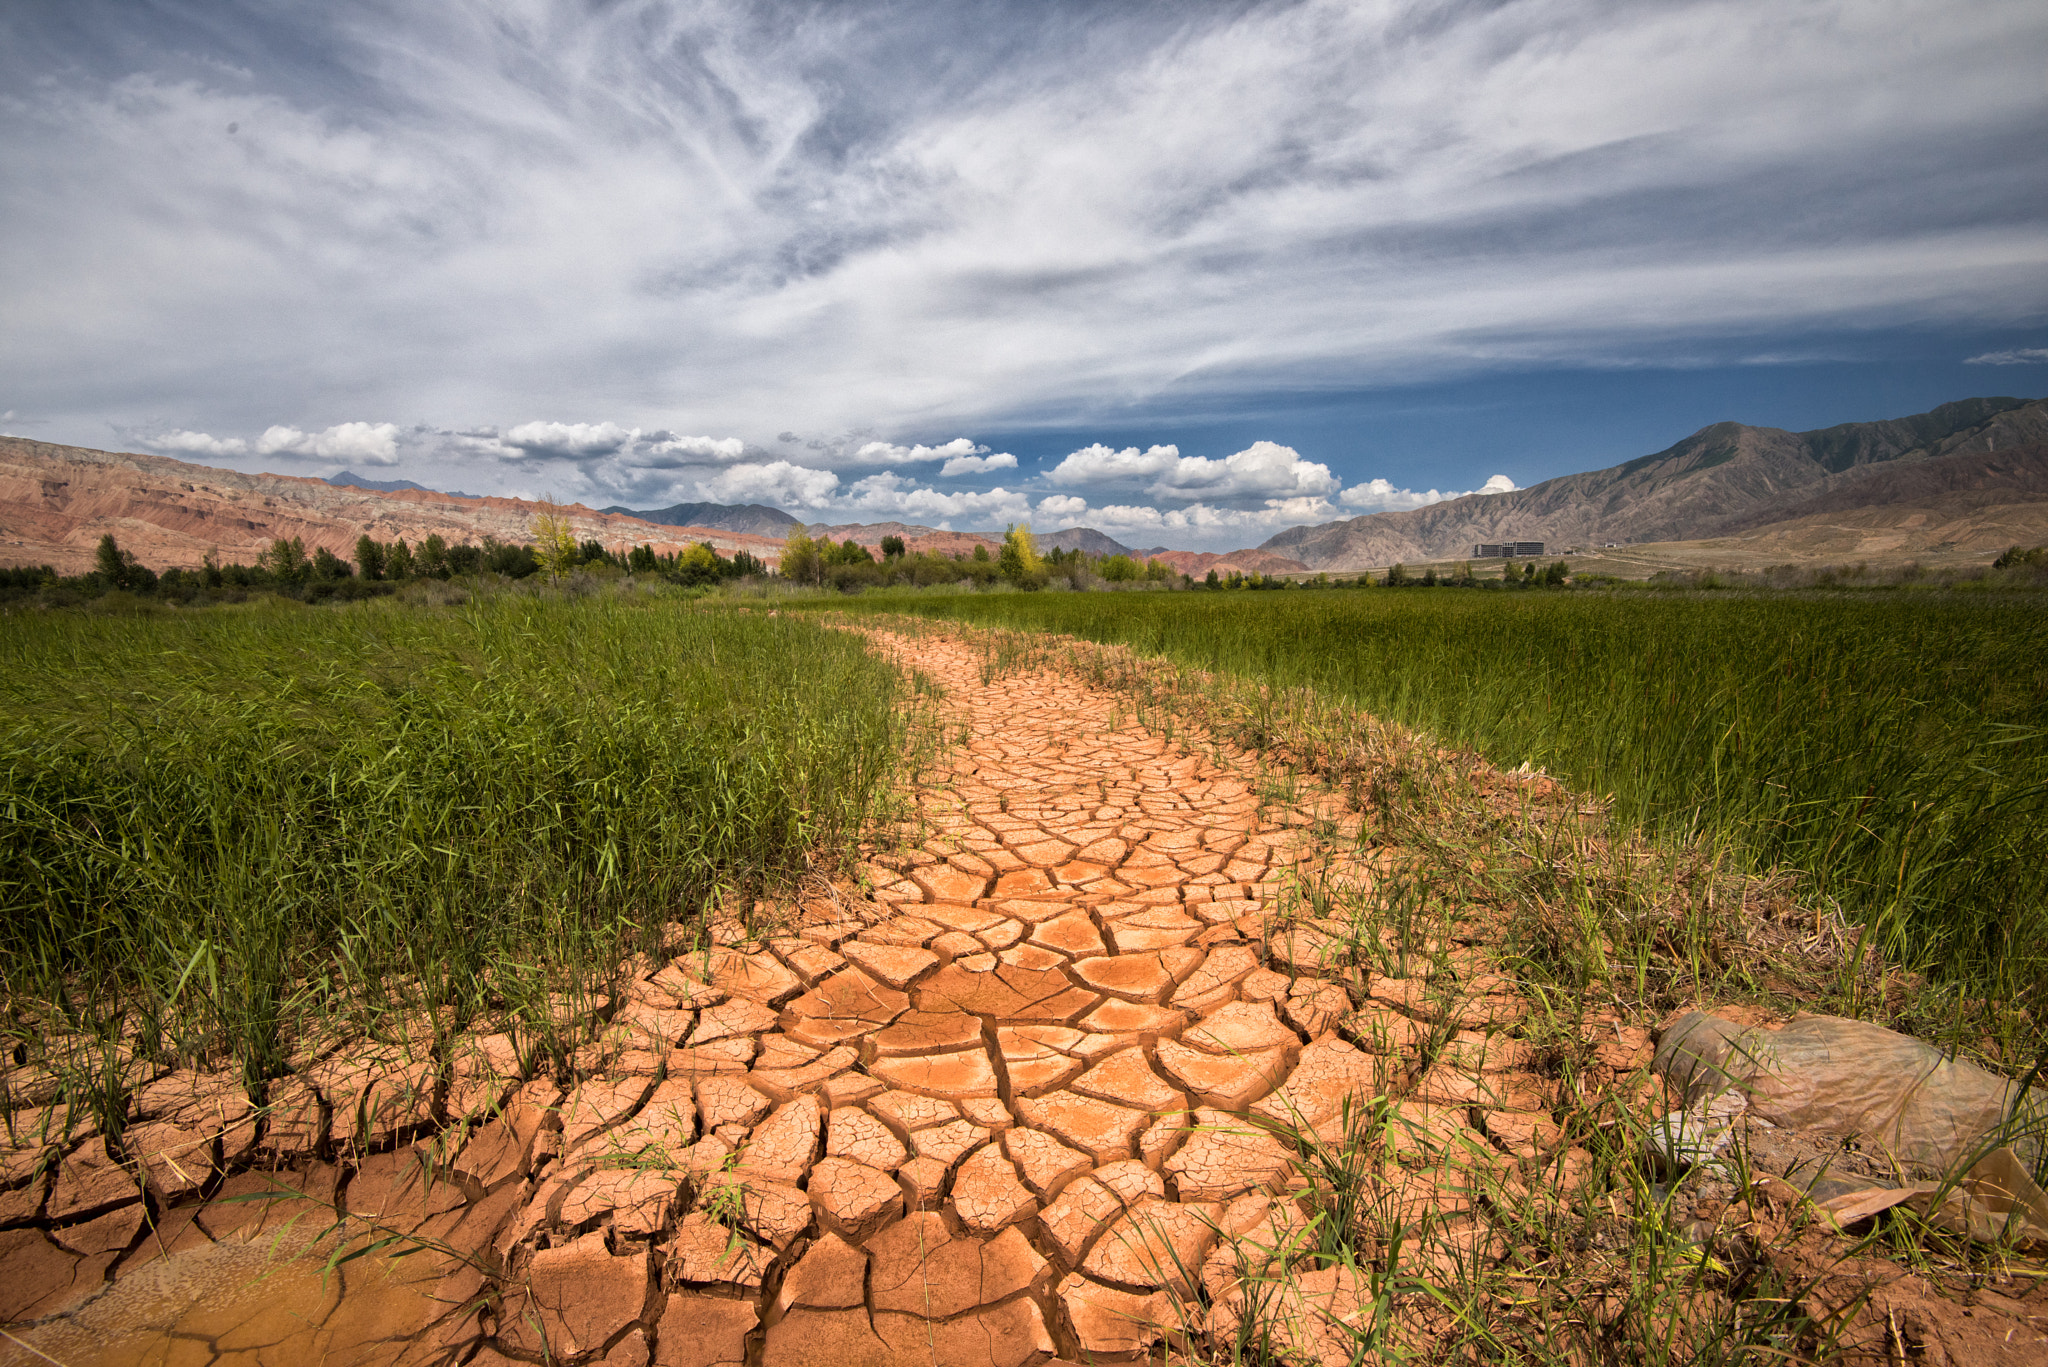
x: 225, y: 824
x: 1895, y: 750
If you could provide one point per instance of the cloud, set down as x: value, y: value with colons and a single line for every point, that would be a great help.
x: 362, y: 443
x: 1262, y: 470
x: 884, y: 453
x: 2032, y: 355
x: 888, y: 496
x: 666, y: 450
x: 1380, y: 495
x: 565, y: 440
x: 196, y: 444
x: 977, y: 465
x: 1099, y: 464
x: 776, y: 483
x: 923, y: 217
x: 1062, y: 508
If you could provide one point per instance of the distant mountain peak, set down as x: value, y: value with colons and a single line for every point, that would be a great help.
x: 349, y: 479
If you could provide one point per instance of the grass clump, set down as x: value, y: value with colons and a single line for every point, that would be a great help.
x: 230, y: 831
x: 1893, y: 751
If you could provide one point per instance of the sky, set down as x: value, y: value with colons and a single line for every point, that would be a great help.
x: 1189, y: 273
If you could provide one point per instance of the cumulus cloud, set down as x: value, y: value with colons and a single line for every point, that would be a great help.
x: 977, y: 465
x: 1099, y: 464
x: 365, y: 443
x: 1062, y: 508
x: 888, y: 496
x: 196, y: 444
x: 664, y: 448
x: 565, y: 440
x: 2032, y: 355
x: 360, y: 443
x: 776, y: 482
x: 1380, y: 495
x: 1263, y: 470
x: 885, y: 453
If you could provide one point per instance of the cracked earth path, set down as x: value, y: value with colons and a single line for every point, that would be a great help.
x: 991, y: 1109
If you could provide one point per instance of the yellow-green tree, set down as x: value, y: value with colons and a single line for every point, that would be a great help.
x: 554, y: 540
x: 1018, y: 561
x: 801, y: 562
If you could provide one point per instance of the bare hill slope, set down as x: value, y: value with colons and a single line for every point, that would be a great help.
x: 57, y: 501
x: 1718, y: 479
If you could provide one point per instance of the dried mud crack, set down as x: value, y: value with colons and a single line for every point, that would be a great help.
x: 1039, y: 1089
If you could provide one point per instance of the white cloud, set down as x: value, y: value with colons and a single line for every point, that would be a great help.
x: 1062, y: 508
x: 675, y: 450
x: 776, y: 483
x: 883, y: 453
x: 977, y: 465
x: 2032, y: 355
x: 1381, y: 495
x: 1099, y: 464
x: 1262, y: 470
x: 196, y: 444
x: 565, y: 440
x: 885, y: 497
x: 361, y: 443
x: 1212, y: 527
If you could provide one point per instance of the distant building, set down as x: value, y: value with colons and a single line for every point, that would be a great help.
x: 1505, y: 550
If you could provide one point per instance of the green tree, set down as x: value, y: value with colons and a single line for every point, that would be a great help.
x: 1555, y: 575
x: 119, y: 569
x: 1118, y: 569
x: 433, y: 557
x: 286, y: 561
x: 369, y: 557
x: 328, y: 565
x: 893, y: 548
x: 1397, y: 577
x: 640, y: 560
x: 398, y: 563
x: 980, y: 553
x: 801, y: 562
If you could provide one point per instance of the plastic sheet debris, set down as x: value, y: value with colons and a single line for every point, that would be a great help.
x: 1857, y: 1119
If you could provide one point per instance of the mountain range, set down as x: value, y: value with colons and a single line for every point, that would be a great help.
x: 1723, y: 480
x: 1956, y: 482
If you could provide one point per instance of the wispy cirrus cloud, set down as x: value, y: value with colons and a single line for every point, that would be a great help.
x: 2032, y: 355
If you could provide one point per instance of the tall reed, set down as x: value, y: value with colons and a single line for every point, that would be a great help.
x: 224, y: 826
x: 1894, y: 750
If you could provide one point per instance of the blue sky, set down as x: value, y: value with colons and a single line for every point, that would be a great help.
x: 1189, y: 273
